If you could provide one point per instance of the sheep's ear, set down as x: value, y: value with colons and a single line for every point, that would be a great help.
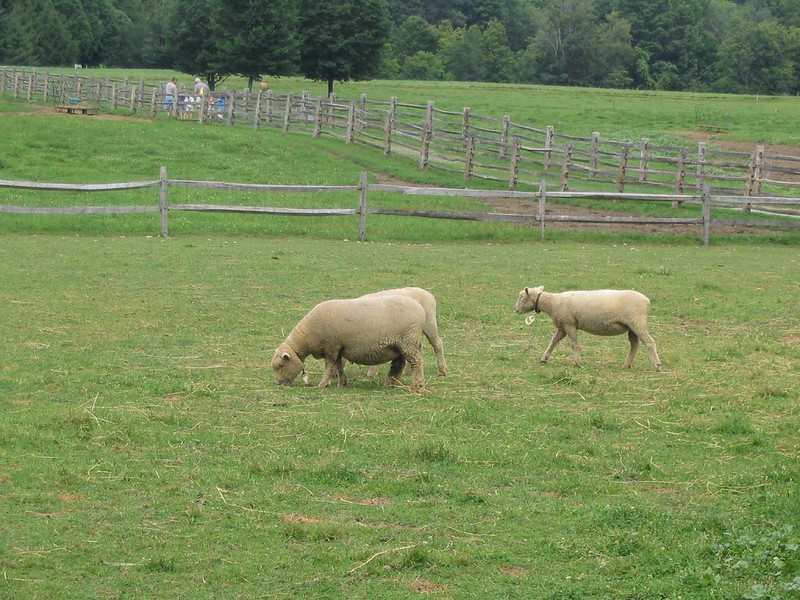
x: 527, y: 291
x: 285, y: 356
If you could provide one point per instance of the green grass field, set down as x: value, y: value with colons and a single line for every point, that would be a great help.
x: 146, y: 451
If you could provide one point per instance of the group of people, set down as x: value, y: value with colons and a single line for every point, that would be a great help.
x: 185, y: 101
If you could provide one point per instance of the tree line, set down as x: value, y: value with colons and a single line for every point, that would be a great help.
x: 734, y: 46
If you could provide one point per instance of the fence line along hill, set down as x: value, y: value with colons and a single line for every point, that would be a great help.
x: 520, y: 157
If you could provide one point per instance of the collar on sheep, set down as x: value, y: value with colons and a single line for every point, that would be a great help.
x: 536, y: 308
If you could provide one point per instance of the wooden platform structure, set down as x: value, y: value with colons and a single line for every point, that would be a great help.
x: 81, y: 108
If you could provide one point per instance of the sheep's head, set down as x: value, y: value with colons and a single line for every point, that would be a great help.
x: 526, y: 301
x: 286, y: 364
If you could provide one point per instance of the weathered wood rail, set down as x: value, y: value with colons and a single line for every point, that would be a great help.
x: 362, y: 209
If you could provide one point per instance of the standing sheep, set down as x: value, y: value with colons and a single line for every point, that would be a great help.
x: 365, y: 331
x: 601, y: 312
x: 431, y: 329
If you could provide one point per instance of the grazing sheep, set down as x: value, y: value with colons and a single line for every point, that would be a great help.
x: 601, y: 312
x: 365, y: 331
x: 431, y: 329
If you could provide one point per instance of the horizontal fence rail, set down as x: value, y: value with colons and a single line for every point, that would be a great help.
x: 363, y: 209
x: 479, y: 147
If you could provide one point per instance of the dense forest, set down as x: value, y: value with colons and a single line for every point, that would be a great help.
x: 737, y: 46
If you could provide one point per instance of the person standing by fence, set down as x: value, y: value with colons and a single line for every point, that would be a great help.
x: 200, y: 87
x: 170, y: 94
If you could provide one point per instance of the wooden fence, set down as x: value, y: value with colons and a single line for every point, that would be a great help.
x: 362, y: 209
x: 515, y: 155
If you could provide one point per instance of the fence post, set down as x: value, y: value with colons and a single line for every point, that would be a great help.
x: 244, y: 105
x: 469, y: 158
x: 387, y: 135
x: 623, y: 165
x: 465, y: 127
x: 393, y: 112
x: 153, y: 105
x: 257, y: 113
x: 331, y: 110
x: 351, y: 123
x: 287, y: 113
x: 595, y: 149
x: 680, y: 176
x: 230, y: 107
x: 644, y: 159
x: 318, y: 118
x: 133, y: 99
x: 270, y: 107
x: 754, y: 176
x: 429, y: 115
x: 565, y: 168
x: 303, y: 110
x: 427, y: 134
x: 425, y: 148
x: 701, y: 165
x: 542, y: 207
x: 362, y: 206
x: 504, y: 136
x: 163, y: 202
x: 706, y: 228
x: 548, y: 146
x: 362, y: 112
x: 514, y: 174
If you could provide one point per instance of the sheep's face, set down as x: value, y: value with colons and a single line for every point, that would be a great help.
x: 526, y: 301
x: 286, y: 365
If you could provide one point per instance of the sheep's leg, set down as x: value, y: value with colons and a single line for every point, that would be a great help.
x: 557, y: 337
x: 414, y: 363
x: 572, y: 333
x: 438, y: 347
x: 339, y: 364
x: 328, y: 373
x: 650, y: 344
x: 634, y: 340
x: 395, y: 371
x: 373, y: 371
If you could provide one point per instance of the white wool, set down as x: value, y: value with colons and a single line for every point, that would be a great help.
x: 367, y: 331
x: 600, y: 312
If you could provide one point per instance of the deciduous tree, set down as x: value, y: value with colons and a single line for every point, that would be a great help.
x: 260, y: 37
x: 342, y: 40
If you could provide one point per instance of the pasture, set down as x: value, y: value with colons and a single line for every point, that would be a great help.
x: 148, y: 453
